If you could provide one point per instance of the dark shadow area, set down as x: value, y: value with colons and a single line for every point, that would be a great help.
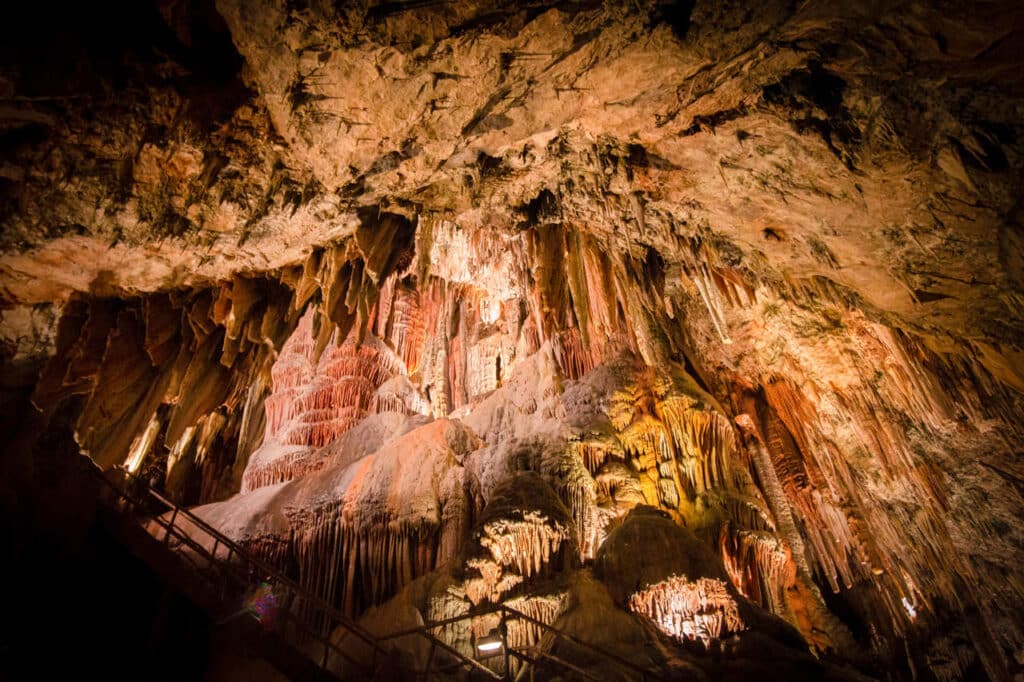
x: 98, y: 613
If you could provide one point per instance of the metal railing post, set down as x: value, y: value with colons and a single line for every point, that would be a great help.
x: 503, y: 629
x: 430, y: 660
x: 170, y: 525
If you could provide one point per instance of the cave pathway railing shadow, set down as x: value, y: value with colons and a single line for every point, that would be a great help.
x: 312, y: 625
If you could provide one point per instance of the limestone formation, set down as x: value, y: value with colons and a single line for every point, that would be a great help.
x: 693, y: 329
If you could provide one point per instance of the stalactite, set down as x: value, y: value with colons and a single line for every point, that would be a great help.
x: 578, y: 491
x: 864, y: 542
x: 456, y: 370
x: 484, y: 362
x: 434, y: 364
x: 454, y: 330
x: 523, y: 531
x: 380, y: 316
x: 950, y: 661
x: 759, y: 566
x: 387, y: 403
x: 407, y: 331
x: 451, y: 603
x: 828, y: 529
x: 574, y: 357
x: 359, y: 564
x: 141, y: 445
x: 699, y: 610
x: 647, y: 442
x: 491, y: 583
x: 252, y: 427
x: 617, y: 484
x: 284, y: 468
x: 710, y: 294
x: 523, y: 634
x: 180, y: 447
x: 356, y: 533
x: 520, y: 633
x: 272, y: 550
x: 593, y: 455
x: 706, y: 443
x: 853, y: 559
x: 292, y: 370
x: 526, y: 545
x: 795, y: 597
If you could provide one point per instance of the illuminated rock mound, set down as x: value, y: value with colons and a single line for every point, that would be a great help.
x: 662, y: 572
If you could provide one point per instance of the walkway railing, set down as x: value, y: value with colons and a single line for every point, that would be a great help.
x: 233, y: 573
x: 537, y: 655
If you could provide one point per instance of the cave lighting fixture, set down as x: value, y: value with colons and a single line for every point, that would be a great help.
x: 491, y: 644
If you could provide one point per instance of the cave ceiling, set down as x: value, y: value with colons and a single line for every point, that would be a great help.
x: 756, y: 264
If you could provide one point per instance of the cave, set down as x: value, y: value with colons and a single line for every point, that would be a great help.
x: 490, y: 340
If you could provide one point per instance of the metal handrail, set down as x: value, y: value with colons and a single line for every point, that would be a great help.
x: 321, y: 606
x: 267, y: 570
x: 561, y: 662
x: 510, y: 612
x: 172, y: 527
x: 561, y: 634
x: 241, y: 581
